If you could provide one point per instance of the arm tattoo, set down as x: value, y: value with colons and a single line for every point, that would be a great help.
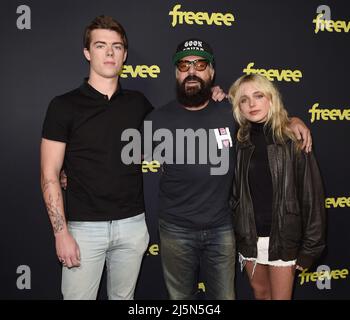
x: 55, y: 215
x: 45, y: 183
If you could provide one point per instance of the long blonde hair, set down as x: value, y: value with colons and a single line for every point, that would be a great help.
x: 277, y: 118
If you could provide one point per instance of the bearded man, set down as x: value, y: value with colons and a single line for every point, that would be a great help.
x: 195, y: 220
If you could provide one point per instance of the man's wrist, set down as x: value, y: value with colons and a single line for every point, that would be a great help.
x: 61, y: 233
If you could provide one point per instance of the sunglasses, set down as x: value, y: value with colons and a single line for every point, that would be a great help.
x: 199, y: 65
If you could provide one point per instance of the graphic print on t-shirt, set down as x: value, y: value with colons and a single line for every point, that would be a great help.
x: 223, y: 137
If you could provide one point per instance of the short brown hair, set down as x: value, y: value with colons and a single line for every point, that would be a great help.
x: 104, y: 22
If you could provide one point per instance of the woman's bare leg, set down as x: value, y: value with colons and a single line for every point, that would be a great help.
x: 282, y: 280
x: 260, y: 282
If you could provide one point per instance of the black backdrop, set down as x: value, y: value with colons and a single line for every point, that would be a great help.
x: 41, y: 56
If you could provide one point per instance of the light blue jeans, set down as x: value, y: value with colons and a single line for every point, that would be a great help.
x: 119, y: 243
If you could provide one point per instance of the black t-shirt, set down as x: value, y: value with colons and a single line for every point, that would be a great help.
x: 100, y: 186
x: 190, y: 194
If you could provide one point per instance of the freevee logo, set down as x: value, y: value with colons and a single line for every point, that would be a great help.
x: 153, y: 250
x: 330, y: 25
x: 328, y: 114
x: 151, y: 166
x: 341, y: 202
x: 141, y: 71
x: 189, y: 17
x: 274, y: 74
x: 322, y: 275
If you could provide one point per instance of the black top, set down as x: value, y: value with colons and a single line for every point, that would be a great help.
x: 190, y: 194
x: 260, y: 180
x: 100, y: 187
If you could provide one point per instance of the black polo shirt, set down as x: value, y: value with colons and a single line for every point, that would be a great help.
x: 100, y: 186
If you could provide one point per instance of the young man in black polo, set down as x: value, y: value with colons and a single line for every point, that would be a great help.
x: 104, y: 218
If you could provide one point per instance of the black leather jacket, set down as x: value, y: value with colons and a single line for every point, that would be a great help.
x: 298, y: 214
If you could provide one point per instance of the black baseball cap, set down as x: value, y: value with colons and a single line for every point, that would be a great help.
x: 193, y: 47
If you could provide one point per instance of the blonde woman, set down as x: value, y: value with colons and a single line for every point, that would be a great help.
x: 278, y: 198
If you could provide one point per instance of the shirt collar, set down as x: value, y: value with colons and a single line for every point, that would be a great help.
x: 90, y: 91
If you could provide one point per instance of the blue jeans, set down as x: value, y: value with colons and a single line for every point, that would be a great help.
x: 188, y: 253
x: 119, y: 243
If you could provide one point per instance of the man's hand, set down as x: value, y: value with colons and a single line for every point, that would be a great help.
x: 67, y: 249
x: 63, y: 180
x: 301, y: 132
x: 217, y: 94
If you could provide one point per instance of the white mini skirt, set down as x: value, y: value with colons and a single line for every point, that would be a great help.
x: 263, y: 256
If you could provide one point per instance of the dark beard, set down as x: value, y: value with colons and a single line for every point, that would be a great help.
x: 195, y: 96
